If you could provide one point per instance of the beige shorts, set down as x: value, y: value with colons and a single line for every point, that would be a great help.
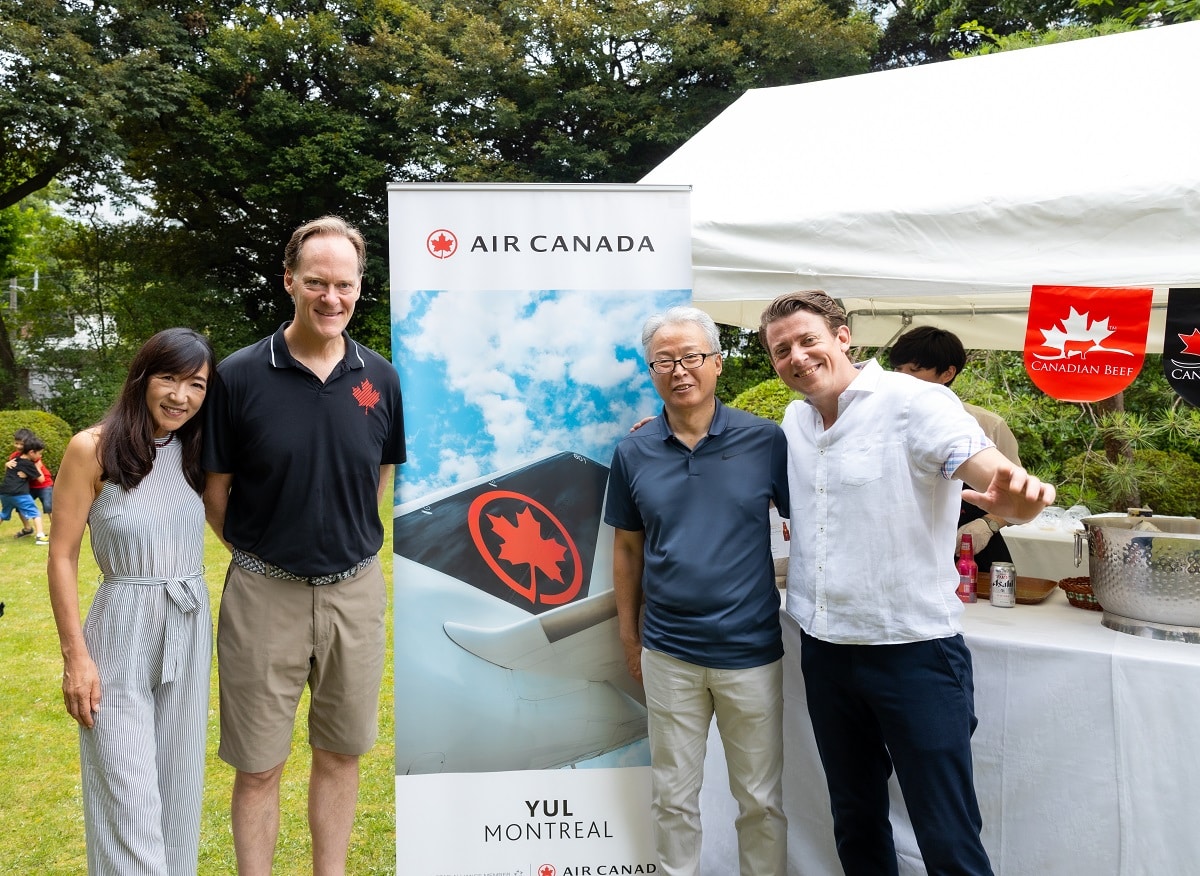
x: 274, y: 637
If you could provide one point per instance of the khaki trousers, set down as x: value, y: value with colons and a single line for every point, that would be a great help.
x: 681, y: 699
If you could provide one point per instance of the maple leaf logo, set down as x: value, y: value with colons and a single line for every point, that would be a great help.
x: 366, y: 395
x: 514, y: 542
x: 441, y: 243
x: 1191, y: 347
x: 1191, y: 343
x: 524, y: 546
x: 1078, y: 335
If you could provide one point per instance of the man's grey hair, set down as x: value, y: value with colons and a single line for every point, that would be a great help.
x: 676, y: 316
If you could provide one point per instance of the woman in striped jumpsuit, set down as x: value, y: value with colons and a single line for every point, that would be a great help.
x: 136, y: 674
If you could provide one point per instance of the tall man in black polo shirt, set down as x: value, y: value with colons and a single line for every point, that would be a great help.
x: 302, y: 432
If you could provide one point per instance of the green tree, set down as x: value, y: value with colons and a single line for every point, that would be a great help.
x: 236, y: 123
x: 101, y: 294
x: 938, y: 30
x: 744, y: 362
x: 75, y: 80
x: 294, y: 110
x: 1154, y: 11
x: 9, y: 241
x: 536, y: 90
x: 297, y: 109
x: 21, y: 226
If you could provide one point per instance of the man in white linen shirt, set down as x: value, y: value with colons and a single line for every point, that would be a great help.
x: 935, y: 355
x: 872, y: 461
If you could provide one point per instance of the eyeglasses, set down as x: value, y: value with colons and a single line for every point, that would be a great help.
x: 691, y: 362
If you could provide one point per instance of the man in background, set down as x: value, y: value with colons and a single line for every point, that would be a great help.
x: 937, y: 356
x: 302, y: 431
x: 689, y: 494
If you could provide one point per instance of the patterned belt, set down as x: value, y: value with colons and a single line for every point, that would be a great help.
x: 259, y: 566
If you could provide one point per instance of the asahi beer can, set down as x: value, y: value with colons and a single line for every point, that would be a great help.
x: 1004, y: 585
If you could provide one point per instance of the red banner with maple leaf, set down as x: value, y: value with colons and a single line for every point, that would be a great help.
x: 1181, y: 344
x: 1082, y: 343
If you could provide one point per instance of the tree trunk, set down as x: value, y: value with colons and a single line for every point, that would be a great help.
x: 10, y: 375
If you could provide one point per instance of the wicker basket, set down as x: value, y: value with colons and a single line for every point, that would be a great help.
x: 1079, y: 593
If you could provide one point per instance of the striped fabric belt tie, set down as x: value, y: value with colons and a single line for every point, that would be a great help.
x: 259, y: 566
x: 187, y: 594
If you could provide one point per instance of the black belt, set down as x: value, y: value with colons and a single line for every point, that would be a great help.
x: 251, y: 563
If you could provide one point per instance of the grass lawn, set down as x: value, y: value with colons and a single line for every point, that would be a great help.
x: 41, y: 814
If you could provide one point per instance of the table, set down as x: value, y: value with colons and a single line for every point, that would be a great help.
x: 1085, y: 755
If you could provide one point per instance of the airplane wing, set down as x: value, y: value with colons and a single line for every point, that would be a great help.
x: 575, y: 641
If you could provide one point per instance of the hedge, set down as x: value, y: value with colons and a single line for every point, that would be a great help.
x: 51, y: 429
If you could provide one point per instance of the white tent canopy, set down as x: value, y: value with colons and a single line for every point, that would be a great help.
x: 946, y: 191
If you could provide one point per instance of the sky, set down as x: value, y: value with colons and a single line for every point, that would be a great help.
x: 497, y: 379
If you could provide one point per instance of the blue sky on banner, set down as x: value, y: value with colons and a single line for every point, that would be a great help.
x: 494, y: 379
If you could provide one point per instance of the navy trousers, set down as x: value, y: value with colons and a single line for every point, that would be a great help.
x: 909, y: 707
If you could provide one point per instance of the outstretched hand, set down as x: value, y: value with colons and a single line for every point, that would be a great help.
x: 1013, y: 494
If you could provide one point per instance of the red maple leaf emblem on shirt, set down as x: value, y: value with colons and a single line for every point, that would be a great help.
x: 524, y: 546
x: 366, y: 395
x: 1191, y: 343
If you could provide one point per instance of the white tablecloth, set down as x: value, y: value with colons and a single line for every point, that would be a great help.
x: 1087, y: 755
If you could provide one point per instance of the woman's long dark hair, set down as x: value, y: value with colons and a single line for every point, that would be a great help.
x: 127, y: 436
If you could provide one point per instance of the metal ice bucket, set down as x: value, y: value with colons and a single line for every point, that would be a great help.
x: 1148, y: 581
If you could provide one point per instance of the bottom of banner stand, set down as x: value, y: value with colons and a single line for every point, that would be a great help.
x: 568, y: 822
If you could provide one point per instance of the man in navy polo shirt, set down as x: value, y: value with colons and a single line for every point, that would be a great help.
x: 301, y: 433
x: 689, y: 494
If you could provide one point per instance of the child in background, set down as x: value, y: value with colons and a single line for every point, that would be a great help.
x: 14, y: 491
x: 41, y: 490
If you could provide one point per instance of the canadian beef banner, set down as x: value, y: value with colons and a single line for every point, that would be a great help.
x: 1084, y: 344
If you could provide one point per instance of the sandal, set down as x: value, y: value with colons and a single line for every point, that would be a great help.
x: 23, y: 533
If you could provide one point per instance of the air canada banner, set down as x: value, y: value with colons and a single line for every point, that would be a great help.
x: 516, y: 321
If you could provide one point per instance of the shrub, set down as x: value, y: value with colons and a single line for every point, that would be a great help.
x: 768, y: 399
x: 1166, y: 480
x: 51, y: 429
